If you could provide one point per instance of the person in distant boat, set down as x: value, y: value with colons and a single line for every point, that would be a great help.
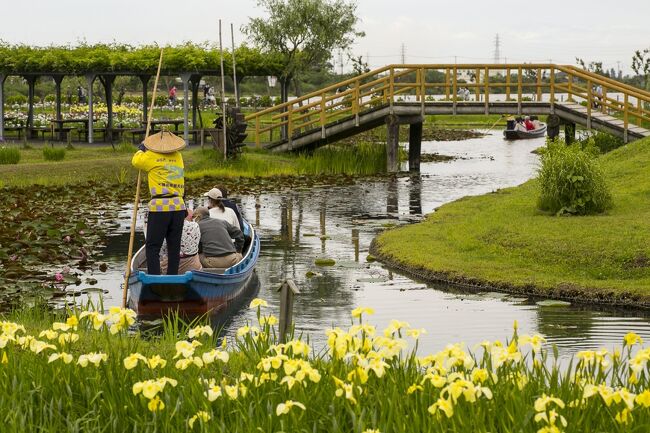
x: 189, y: 260
x: 217, y: 249
x: 528, y: 124
x: 519, y: 125
x: 159, y: 155
x: 216, y: 205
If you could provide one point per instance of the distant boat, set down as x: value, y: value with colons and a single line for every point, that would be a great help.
x: 513, y: 134
x: 196, y: 292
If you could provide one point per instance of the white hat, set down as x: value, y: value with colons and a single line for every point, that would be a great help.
x: 214, y: 194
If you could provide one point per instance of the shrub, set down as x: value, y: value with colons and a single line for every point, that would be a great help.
x: 125, y: 147
x: 53, y: 153
x: 9, y: 155
x: 606, y: 142
x: 49, y: 98
x: 571, y: 181
x: 16, y: 99
x: 266, y: 101
x: 132, y: 99
x: 162, y: 100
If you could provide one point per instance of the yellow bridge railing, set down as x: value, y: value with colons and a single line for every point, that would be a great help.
x: 451, y: 84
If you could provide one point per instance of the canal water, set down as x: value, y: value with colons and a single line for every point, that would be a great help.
x: 298, y: 226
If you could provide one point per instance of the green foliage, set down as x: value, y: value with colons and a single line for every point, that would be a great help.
x: 604, y: 142
x: 125, y: 147
x: 364, y: 158
x: 16, y: 59
x: 9, y: 155
x: 571, y: 181
x: 53, y: 153
x: 304, y: 32
x: 16, y: 99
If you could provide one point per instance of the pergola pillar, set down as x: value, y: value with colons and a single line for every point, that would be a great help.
x: 107, y: 82
x: 186, y: 123
x: 57, y: 91
x: 3, y: 77
x: 196, y: 79
x: 31, y: 83
x: 145, y: 106
x: 90, y: 78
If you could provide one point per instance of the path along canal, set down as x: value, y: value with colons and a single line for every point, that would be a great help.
x: 339, y: 222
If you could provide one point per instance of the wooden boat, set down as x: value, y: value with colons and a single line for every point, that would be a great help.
x: 196, y: 292
x: 513, y: 134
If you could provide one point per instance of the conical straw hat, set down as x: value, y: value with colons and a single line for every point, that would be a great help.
x: 164, y: 142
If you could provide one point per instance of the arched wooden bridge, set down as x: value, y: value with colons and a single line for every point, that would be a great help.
x: 404, y: 94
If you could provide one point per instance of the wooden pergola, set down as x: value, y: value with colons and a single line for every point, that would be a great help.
x: 190, y: 81
x: 106, y: 62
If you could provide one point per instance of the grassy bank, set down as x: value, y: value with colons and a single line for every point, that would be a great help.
x: 85, y: 372
x: 501, y: 241
x: 102, y: 163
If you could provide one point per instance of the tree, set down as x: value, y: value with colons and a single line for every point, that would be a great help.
x: 304, y: 33
x: 595, y: 67
x: 641, y: 65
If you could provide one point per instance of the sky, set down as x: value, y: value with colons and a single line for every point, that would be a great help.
x: 420, y: 31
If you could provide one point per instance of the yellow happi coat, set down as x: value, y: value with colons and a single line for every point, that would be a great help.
x: 166, y: 179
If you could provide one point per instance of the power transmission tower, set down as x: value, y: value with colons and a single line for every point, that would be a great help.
x: 403, y: 54
x: 497, y: 49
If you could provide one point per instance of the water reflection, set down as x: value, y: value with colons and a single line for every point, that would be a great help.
x: 298, y: 226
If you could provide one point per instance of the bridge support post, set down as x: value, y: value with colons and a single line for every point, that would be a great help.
x: 392, y: 143
x: 569, y: 132
x: 415, y: 146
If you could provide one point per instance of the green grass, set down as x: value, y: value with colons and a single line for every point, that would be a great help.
x: 9, y: 155
x: 365, y: 380
x: 53, y: 153
x: 502, y: 239
x: 85, y: 163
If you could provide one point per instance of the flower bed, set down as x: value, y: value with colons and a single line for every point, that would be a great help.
x: 90, y: 372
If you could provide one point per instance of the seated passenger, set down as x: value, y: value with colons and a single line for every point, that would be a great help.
x: 217, y: 249
x: 529, y: 125
x: 189, y: 248
x: 519, y: 126
x: 218, y: 210
x: 230, y: 204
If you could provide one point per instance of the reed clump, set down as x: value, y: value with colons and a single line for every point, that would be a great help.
x: 9, y: 155
x: 53, y: 153
x: 571, y: 180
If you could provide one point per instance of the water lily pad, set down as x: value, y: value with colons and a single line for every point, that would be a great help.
x: 324, y: 262
x: 324, y: 238
x: 553, y: 303
x: 311, y: 274
x: 373, y: 280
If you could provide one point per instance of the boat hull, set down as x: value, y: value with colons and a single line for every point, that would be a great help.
x: 513, y: 134
x: 195, y: 292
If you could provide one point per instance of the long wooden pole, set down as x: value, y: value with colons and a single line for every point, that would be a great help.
x: 134, y: 217
x: 223, y: 99
x: 234, y: 65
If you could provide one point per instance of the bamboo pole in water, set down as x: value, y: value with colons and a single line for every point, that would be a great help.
x: 127, y: 274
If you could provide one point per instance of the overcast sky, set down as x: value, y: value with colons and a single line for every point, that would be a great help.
x: 430, y: 31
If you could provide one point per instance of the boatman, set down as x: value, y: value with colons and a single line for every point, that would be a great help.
x: 160, y: 157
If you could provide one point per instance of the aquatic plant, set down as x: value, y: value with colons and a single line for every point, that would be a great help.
x: 88, y: 371
x: 571, y: 181
x: 9, y: 155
